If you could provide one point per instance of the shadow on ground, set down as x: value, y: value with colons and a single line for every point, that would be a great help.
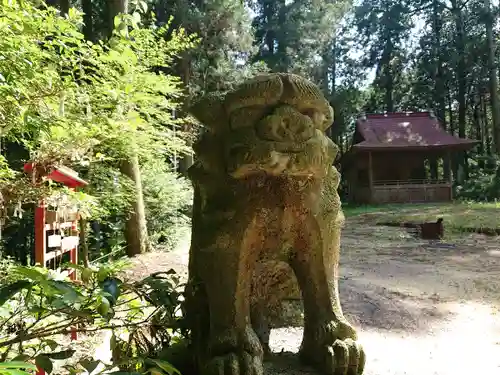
x: 369, y: 306
x: 420, y: 309
x: 286, y: 363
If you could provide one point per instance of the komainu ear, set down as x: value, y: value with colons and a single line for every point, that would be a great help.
x: 209, y: 110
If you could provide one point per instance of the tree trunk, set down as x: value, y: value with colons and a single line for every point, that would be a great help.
x: 88, y: 23
x: 486, y: 133
x: 333, y: 77
x: 269, y: 13
x: 387, y: 75
x: 64, y: 4
x: 115, y: 7
x: 333, y: 84
x: 439, y: 88
x: 493, y: 78
x: 461, y: 79
x: 136, y: 233
x: 52, y: 3
x: 478, y: 127
x: 451, y: 114
x: 284, y: 64
x: 186, y: 160
x: 453, y: 161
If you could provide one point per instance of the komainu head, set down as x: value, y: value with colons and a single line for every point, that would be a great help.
x: 274, y: 124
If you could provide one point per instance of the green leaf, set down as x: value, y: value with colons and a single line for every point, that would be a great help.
x: 44, y: 362
x: 65, y: 354
x: 104, y: 307
x: 68, y: 291
x: 89, y: 365
x: 17, y: 365
x: 73, y: 370
x: 167, y: 367
x: 51, y: 344
x: 21, y: 358
x: 111, y: 286
x: 102, y: 274
x: 33, y: 273
x: 74, y: 266
x: 136, y: 17
x: 86, y: 314
x: 8, y: 291
x: 124, y: 32
x: 117, y: 21
x: 14, y: 372
x: 86, y: 275
x: 112, y: 342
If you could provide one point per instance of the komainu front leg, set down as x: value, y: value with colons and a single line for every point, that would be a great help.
x: 233, y: 347
x: 329, y: 343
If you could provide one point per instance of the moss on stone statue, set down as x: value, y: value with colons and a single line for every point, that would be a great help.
x: 266, y: 226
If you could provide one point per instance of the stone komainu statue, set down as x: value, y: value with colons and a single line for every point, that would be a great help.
x: 266, y: 191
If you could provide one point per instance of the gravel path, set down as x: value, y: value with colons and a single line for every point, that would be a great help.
x: 421, y: 309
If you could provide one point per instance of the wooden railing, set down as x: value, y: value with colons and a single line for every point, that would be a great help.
x: 411, y: 182
x: 411, y: 191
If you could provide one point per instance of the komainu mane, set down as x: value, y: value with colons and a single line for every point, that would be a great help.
x: 266, y: 191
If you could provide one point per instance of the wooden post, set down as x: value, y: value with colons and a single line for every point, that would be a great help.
x: 370, y: 175
x: 40, y: 245
x: 74, y: 259
x: 450, y: 175
x: 40, y: 240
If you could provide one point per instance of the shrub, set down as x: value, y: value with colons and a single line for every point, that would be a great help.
x: 168, y: 198
x: 37, y: 305
x: 483, y: 183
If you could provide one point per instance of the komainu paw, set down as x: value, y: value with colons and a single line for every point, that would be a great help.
x: 343, y: 357
x: 242, y: 363
x: 335, y: 356
x: 235, y: 354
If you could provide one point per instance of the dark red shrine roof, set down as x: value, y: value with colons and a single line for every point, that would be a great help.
x: 406, y: 130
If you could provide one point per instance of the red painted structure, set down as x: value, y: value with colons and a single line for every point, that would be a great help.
x: 69, y: 178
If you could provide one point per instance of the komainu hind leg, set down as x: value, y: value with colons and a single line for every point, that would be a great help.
x: 329, y: 342
x: 262, y: 327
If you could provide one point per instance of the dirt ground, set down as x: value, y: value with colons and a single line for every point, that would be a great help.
x: 421, y: 308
